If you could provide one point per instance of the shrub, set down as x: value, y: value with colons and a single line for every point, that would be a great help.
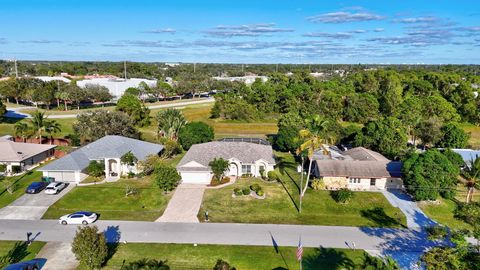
x: 195, y: 132
x: 90, y: 247
x: 95, y: 168
x: 246, y: 191
x: 3, y: 167
x: 255, y: 187
x: 260, y: 193
x: 148, y: 165
x: 16, y: 169
x: 129, y: 190
x: 171, y: 148
x: 147, y: 264
x: 318, y: 184
x: 223, y: 265
x: 342, y: 195
x: 237, y: 192
x: 436, y: 232
x: 262, y: 172
x: 272, y: 176
x: 166, y: 177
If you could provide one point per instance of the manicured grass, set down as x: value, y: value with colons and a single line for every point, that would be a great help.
x: 474, y: 131
x: 22, y: 182
x: 442, y: 212
x: 32, y: 250
x: 65, y: 126
x: 280, y: 205
x: 182, y: 256
x: 110, y: 202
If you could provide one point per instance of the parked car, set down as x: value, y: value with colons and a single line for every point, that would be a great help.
x: 36, y: 187
x: 55, y: 187
x: 28, y: 265
x: 78, y: 218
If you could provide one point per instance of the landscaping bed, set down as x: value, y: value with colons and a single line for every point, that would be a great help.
x: 147, y: 203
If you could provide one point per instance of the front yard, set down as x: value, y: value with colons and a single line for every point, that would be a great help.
x: 180, y: 256
x: 31, y: 252
x: 280, y: 205
x: 110, y: 202
x: 21, y: 183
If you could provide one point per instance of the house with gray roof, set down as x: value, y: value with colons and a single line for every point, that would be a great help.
x: 109, y: 150
x: 18, y: 157
x: 245, y: 158
x: 356, y: 169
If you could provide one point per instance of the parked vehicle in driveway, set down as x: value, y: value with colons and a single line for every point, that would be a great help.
x: 36, y: 187
x: 55, y: 187
x: 27, y: 265
x: 78, y: 218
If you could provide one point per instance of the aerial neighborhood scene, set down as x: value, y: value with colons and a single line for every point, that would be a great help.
x: 153, y: 135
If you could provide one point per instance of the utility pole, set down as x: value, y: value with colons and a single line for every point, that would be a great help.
x: 125, y: 69
x: 16, y: 68
x: 276, y: 67
x: 194, y: 67
x: 242, y: 68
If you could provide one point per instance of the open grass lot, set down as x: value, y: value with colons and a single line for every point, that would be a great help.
x: 32, y: 250
x: 22, y: 182
x: 110, y: 202
x: 474, y: 131
x: 7, y: 128
x: 280, y: 206
x: 181, y: 256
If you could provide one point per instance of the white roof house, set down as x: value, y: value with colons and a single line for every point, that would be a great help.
x: 116, y: 86
x: 54, y: 78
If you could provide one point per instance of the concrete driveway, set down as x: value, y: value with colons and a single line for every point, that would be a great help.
x: 184, y: 204
x: 59, y: 256
x: 31, y: 206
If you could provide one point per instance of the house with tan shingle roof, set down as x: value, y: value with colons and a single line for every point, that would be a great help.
x: 18, y: 157
x: 356, y: 169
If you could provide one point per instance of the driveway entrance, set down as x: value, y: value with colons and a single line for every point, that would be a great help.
x: 184, y: 205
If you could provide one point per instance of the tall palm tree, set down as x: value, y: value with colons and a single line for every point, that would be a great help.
x: 39, y: 124
x: 22, y: 130
x: 471, y: 174
x: 313, y: 139
x: 170, y: 122
x: 52, y: 127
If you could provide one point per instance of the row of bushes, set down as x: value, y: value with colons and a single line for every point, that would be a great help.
x: 247, y: 190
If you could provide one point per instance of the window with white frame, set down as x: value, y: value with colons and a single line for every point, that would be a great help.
x: 246, y: 168
x: 354, y: 180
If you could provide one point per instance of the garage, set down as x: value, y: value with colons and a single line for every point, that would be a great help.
x: 65, y: 176
x: 196, y: 177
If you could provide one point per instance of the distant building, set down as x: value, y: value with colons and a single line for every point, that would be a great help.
x: 468, y: 155
x: 54, y: 78
x: 248, y: 80
x: 116, y: 86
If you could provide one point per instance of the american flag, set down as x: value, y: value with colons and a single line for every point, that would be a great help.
x: 299, y: 249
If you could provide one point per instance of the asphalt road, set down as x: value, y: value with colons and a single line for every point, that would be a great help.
x: 227, y: 234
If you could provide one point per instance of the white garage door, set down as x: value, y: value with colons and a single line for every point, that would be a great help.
x: 196, y: 177
x: 61, y: 176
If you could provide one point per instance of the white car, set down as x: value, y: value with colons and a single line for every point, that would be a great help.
x: 55, y: 187
x: 78, y: 218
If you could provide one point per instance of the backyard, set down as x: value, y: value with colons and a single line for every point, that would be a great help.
x: 182, y: 256
x: 281, y: 203
x: 109, y: 200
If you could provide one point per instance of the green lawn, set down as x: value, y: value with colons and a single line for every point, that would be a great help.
x: 474, y: 131
x: 7, y: 128
x: 31, y: 252
x: 22, y: 182
x: 183, y: 256
x: 442, y: 212
x: 110, y: 202
x: 280, y: 206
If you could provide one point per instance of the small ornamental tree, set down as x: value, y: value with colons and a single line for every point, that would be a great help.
x: 90, y: 247
x: 129, y: 159
x: 166, y: 177
x: 195, y: 132
x: 95, y: 168
x: 219, y: 166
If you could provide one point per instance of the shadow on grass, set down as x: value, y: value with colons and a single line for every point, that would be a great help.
x: 381, y: 219
x: 112, y: 235
x: 16, y: 181
x: 327, y: 258
x: 16, y: 254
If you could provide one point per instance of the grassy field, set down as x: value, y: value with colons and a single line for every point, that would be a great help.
x: 281, y: 202
x: 110, y: 202
x: 7, y: 128
x: 22, y: 182
x: 474, y: 131
x: 31, y: 252
x: 180, y: 256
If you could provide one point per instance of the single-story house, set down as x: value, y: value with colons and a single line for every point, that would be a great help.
x: 109, y: 150
x: 19, y: 157
x: 244, y: 158
x: 356, y: 169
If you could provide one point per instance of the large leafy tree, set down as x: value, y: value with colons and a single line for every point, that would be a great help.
x: 429, y: 175
x: 132, y: 106
x: 170, y: 122
x: 442, y: 258
x: 289, y: 125
x: 387, y: 136
x: 453, y: 137
x: 90, y: 247
x: 361, y: 108
x: 195, y: 132
x: 93, y: 125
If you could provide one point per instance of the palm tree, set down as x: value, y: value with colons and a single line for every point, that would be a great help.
x: 313, y: 138
x: 170, y: 122
x: 471, y: 174
x: 22, y: 130
x: 39, y: 124
x: 52, y: 127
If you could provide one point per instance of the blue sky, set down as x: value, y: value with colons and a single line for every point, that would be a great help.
x: 261, y: 31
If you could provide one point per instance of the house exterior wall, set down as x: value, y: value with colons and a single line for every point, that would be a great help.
x: 29, y: 162
x: 66, y: 176
x: 335, y: 182
x: 362, y: 183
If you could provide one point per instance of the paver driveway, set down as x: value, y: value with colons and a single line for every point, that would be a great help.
x: 184, y: 205
x: 31, y: 206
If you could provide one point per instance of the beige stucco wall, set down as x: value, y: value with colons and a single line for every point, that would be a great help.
x: 344, y: 182
x: 335, y: 182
